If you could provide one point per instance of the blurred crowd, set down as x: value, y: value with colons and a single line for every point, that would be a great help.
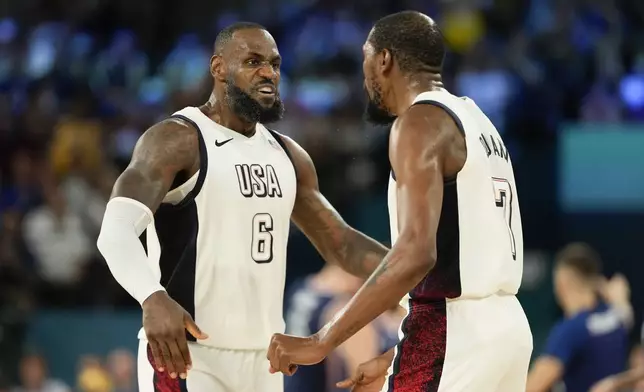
x: 115, y: 373
x: 80, y: 81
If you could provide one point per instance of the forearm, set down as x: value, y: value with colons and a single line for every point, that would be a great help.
x: 118, y: 242
x: 358, y: 254
x: 397, y: 274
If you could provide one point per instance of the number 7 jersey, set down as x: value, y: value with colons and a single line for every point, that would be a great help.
x: 219, y: 239
x: 479, y: 239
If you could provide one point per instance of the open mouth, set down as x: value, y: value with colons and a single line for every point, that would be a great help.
x: 266, y: 90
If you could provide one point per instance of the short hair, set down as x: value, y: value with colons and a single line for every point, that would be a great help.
x: 413, y: 39
x: 581, y: 258
x: 226, y: 34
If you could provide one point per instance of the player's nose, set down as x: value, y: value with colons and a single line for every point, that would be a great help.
x: 267, y: 72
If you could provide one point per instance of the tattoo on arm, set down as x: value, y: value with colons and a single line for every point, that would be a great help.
x: 164, y: 150
x: 336, y: 241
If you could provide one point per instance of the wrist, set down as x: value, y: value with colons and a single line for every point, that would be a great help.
x: 153, y: 296
x: 322, y: 340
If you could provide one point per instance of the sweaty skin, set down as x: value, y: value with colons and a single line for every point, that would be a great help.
x: 426, y: 147
x: 168, y: 153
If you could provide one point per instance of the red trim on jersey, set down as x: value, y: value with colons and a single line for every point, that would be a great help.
x: 418, y: 365
x: 163, y: 382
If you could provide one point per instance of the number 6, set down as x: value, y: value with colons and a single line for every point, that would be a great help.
x: 262, y: 242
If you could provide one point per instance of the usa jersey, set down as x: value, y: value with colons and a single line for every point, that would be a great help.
x: 219, y: 239
x: 479, y: 239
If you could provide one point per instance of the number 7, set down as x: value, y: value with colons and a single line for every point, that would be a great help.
x: 503, y: 198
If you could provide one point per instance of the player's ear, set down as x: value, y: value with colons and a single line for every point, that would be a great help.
x: 386, y: 62
x: 217, y: 69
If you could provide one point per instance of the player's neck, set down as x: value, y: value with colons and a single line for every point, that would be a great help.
x: 223, y: 115
x: 579, y: 302
x: 405, y: 93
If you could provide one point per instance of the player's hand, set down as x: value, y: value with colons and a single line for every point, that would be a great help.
x: 616, y: 291
x: 286, y: 352
x: 165, y: 323
x: 370, y: 376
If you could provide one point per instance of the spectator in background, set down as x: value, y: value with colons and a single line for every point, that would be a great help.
x: 122, y: 368
x: 92, y: 376
x: 60, y: 247
x: 592, y: 341
x: 34, y: 377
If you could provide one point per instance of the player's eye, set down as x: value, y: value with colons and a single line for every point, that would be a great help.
x: 253, y: 62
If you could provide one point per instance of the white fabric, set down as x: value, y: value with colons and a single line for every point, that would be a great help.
x: 489, y: 345
x: 489, y: 220
x: 124, y: 221
x: 59, y: 244
x: 217, y: 370
x: 243, y: 217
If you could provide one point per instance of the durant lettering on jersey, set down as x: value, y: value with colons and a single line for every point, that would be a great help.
x: 498, y: 148
x: 257, y: 180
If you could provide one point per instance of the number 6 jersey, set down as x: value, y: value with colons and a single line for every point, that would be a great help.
x: 479, y: 239
x: 219, y: 239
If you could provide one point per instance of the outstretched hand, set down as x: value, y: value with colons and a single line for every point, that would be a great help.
x: 286, y: 352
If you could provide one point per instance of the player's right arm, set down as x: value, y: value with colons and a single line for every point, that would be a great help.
x: 163, y: 151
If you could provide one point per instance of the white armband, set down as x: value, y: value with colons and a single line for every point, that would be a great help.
x: 124, y: 221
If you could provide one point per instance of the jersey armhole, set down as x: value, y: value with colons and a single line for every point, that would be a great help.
x: 457, y: 121
x: 278, y: 138
x: 203, y: 167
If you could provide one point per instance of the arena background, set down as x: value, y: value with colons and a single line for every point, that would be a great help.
x: 80, y: 80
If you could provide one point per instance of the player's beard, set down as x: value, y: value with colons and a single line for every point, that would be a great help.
x: 249, y: 109
x: 375, y: 111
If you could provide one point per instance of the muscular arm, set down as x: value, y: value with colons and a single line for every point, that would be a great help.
x: 337, y: 242
x: 163, y: 151
x: 419, y: 143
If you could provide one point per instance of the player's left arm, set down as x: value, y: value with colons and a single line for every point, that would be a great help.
x: 337, y: 242
x: 420, y: 145
x: 545, y: 374
x: 561, y: 347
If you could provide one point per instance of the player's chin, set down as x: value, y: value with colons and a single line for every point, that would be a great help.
x: 266, y: 100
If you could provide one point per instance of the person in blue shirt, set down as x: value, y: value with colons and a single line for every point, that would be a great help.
x: 591, y: 342
x: 310, y: 304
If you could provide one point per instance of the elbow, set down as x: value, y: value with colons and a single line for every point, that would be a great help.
x: 422, y: 257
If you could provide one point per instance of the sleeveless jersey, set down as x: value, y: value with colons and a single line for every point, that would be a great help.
x: 219, y: 239
x: 479, y: 239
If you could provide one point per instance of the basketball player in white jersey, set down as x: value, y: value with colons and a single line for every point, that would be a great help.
x: 211, y: 191
x: 457, y: 257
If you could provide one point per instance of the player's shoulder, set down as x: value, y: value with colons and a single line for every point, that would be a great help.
x: 169, y: 138
x: 573, y: 326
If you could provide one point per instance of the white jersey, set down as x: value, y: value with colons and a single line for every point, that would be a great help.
x: 479, y: 239
x: 219, y: 240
